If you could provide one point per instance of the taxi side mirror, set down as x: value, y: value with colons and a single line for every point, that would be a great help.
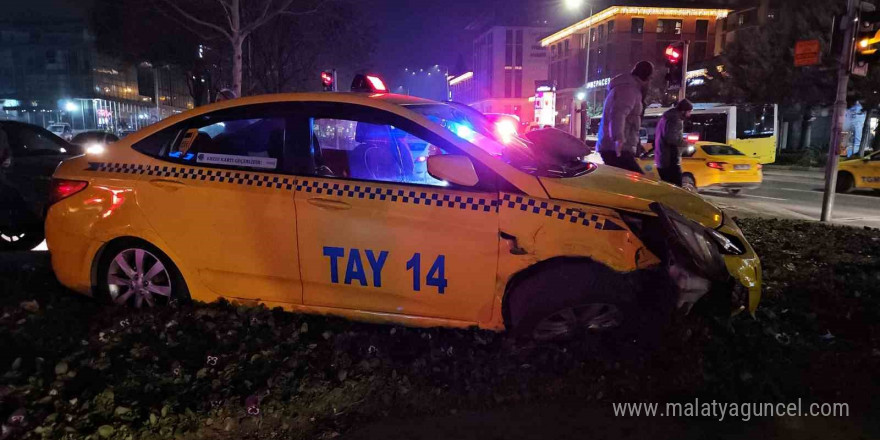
x: 453, y: 168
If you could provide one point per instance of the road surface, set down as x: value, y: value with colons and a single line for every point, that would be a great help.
x: 798, y: 194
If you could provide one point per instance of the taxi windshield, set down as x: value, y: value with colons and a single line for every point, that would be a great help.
x: 477, y: 129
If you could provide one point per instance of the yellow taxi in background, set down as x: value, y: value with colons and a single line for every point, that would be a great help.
x: 385, y: 208
x: 710, y: 165
x: 859, y: 173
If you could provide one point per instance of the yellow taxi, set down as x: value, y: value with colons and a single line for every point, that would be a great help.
x: 711, y: 165
x: 859, y: 173
x: 385, y: 208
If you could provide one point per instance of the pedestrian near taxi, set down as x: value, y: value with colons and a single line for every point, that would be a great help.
x: 622, y: 117
x: 669, y: 142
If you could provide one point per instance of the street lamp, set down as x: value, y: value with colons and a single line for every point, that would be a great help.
x: 574, y: 4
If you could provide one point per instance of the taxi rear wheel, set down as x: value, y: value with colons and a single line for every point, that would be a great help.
x: 845, y: 182
x: 136, y: 274
x: 568, y: 299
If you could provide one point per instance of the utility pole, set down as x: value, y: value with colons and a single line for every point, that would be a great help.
x: 684, y: 71
x: 843, y: 66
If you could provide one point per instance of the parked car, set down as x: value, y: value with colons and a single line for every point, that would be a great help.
x: 61, y: 130
x: 94, y: 141
x: 125, y: 132
x: 31, y: 155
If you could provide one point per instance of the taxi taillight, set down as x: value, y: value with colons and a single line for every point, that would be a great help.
x: 716, y: 165
x: 64, y: 188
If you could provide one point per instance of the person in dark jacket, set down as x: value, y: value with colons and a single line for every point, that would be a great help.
x: 669, y: 142
x: 622, y: 117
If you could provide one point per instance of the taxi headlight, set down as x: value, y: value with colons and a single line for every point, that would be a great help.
x: 729, y: 245
x: 691, y: 239
x: 697, y: 239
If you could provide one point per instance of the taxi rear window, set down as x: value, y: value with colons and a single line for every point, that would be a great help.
x: 721, y: 150
x: 256, y: 143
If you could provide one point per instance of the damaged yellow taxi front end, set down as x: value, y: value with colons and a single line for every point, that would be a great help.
x: 672, y: 226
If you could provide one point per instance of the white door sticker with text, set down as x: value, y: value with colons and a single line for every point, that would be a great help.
x: 238, y: 161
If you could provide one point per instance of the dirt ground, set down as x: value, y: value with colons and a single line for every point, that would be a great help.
x: 73, y: 368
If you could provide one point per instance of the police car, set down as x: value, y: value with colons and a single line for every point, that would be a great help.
x: 385, y: 208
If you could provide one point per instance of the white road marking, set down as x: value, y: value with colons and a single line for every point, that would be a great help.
x: 800, y: 190
x: 762, y: 197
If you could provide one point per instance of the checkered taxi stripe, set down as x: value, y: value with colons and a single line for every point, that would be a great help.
x: 397, y: 195
x: 354, y: 190
x: 177, y: 172
x: 549, y: 209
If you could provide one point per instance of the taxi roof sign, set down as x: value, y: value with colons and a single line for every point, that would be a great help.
x: 368, y: 83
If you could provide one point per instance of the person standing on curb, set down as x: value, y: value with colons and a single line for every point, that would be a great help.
x: 622, y: 117
x: 669, y: 142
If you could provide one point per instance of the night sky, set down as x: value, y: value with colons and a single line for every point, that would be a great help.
x: 414, y: 34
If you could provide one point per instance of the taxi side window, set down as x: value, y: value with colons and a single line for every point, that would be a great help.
x: 256, y: 144
x: 369, y: 151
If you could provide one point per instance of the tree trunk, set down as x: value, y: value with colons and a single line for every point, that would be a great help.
x: 806, y: 128
x: 866, y: 133
x: 236, y: 65
x: 236, y: 40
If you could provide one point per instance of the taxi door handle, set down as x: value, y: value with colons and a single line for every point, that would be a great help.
x: 329, y: 203
x: 172, y: 185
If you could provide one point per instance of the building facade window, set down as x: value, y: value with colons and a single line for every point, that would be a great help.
x: 669, y: 26
x: 702, y: 30
x: 638, y: 27
x: 508, y: 48
x: 701, y: 43
x: 518, y: 48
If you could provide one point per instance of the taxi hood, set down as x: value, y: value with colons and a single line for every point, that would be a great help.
x: 616, y: 188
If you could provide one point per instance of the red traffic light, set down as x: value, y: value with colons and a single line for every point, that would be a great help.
x: 673, y: 54
x: 327, y: 79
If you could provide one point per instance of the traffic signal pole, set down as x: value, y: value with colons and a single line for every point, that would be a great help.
x: 684, y: 71
x: 844, y: 63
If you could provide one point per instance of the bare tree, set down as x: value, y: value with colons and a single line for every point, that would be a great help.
x: 238, y: 20
x: 288, y: 53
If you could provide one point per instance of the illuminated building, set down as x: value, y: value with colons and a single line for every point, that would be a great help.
x: 508, y: 60
x: 52, y: 72
x: 619, y: 37
x: 462, y: 88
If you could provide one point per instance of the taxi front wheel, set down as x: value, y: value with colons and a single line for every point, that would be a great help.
x: 133, y: 273
x: 568, y: 299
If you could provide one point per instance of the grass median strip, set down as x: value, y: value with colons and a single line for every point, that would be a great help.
x: 71, y: 366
